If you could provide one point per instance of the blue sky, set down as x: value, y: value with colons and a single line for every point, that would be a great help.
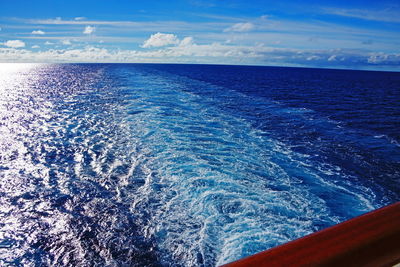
x: 332, y: 34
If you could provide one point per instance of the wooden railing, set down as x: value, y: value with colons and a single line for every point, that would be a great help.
x: 372, y: 239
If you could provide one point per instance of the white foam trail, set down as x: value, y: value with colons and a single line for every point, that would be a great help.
x: 216, y: 189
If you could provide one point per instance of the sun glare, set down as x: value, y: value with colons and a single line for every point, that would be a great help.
x: 10, y: 68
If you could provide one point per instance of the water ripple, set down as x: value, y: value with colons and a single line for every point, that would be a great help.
x: 112, y: 165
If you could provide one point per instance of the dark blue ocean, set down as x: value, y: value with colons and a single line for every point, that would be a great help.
x: 187, y: 165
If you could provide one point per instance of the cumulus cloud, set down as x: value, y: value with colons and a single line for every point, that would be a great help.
x: 35, y: 46
x: 240, y: 27
x: 161, y: 39
x: 313, y: 57
x: 332, y: 58
x: 379, y: 58
x: 80, y: 18
x: 187, y: 41
x: 89, y: 30
x: 14, y: 43
x: 186, y: 50
x: 48, y: 43
x: 40, y: 32
x: 66, y: 42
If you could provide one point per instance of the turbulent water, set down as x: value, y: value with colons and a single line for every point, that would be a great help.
x: 187, y: 165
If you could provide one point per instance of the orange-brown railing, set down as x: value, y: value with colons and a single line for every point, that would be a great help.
x: 372, y: 239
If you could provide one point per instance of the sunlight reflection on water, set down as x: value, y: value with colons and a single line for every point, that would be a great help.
x: 105, y: 165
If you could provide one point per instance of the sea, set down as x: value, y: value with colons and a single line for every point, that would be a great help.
x: 187, y: 165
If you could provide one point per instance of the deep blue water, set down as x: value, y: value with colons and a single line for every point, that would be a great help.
x: 187, y: 165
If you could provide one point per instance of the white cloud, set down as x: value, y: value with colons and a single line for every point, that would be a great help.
x: 14, y: 43
x: 383, y: 58
x: 187, y: 41
x: 89, y: 30
x: 189, y: 52
x: 66, y: 42
x: 160, y: 39
x: 313, y: 57
x: 48, y: 43
x: 332, y: 58
x: 240, y: 27
x: 385, y: 15
x: 80, y: 18
x: 40, y: 32
x: 59, y: 21
x: 35, y: 46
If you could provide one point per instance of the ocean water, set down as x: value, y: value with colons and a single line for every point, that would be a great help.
x: 187, y: 165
